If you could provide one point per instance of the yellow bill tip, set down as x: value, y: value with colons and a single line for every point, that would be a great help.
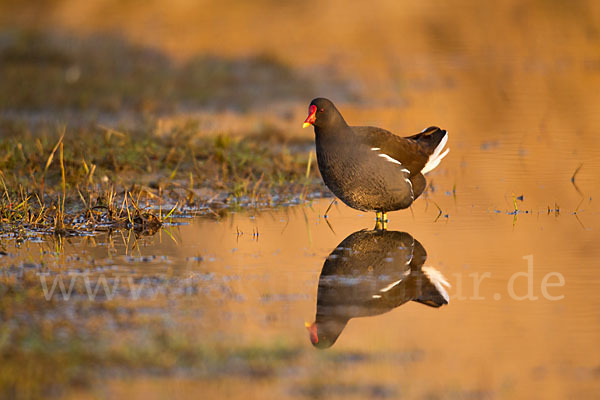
x: 306, y: 124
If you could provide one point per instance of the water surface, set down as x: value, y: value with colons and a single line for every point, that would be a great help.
x: 251, y: 281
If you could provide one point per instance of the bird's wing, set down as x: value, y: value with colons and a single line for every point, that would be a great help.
x: 409, y: 152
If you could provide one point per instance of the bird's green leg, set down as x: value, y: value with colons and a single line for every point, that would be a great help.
x: 384, y: 221
x: 378, y: 220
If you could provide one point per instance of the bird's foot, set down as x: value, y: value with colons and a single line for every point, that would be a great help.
x: 380, y: 221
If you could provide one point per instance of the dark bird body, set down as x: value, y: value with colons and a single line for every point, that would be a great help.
x: 369, y: 168
x: 370, y: 273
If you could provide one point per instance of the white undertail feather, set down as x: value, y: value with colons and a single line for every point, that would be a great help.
x: 437, y: 156
x: 438, y: 280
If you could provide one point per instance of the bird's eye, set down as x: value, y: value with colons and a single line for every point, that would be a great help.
x: 321, y: 110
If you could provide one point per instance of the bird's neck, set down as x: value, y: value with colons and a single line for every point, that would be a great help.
x: 331, y: 131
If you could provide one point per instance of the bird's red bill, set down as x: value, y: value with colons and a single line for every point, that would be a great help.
x: 312, y: 330
x: 312, y: 116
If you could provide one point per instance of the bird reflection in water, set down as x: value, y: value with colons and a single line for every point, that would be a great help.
x: 371, y: 273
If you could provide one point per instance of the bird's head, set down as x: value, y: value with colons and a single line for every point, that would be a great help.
x: 323, y: 335
x: 322, y: 113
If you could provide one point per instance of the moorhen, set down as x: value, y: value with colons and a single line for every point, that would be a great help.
x: 370, y: 273
x: 369, y: 168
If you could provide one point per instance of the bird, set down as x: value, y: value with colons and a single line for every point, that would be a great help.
x: 370, y: 168
x: 370, y: 273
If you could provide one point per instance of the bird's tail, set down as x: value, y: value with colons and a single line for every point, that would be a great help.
x: 437, y: 138
x: 433, y: 290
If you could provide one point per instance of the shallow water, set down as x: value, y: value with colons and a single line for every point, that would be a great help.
x: 251, y: 281
x: 219, y: 308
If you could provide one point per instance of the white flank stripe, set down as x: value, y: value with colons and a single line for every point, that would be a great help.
x: 375, y: 148
x: 390, y: 286
x: 376, y: 296
x: 390, y: 159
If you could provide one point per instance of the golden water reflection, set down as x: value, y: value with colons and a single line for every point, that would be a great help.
x: 370, y: 273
